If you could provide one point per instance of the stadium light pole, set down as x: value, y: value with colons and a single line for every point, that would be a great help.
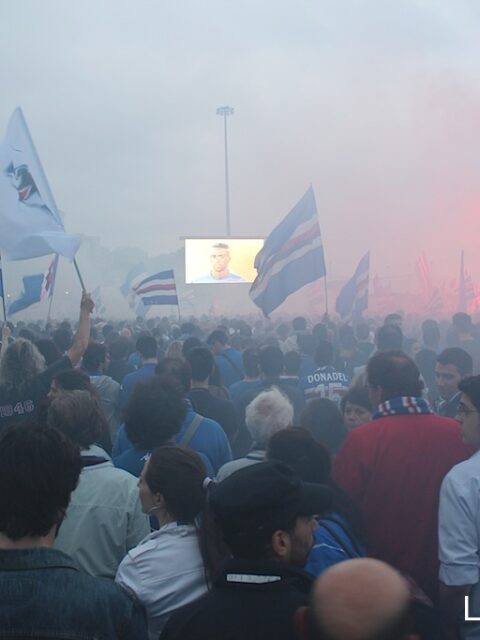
x: 225, y: 112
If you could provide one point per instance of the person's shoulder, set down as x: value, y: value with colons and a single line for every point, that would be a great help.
x: 233, y: 277
x: 465, y: 471
x: 209, y: 426
x: 104, y: 592
x: 446, y: 427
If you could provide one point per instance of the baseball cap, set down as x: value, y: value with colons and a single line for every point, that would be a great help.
x: 265, y: 497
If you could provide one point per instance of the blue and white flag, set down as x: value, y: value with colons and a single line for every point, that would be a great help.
x: 32, y: 290
x: 352, y: 300
x: 29, y: 219
x: 291, y: 257
x: 158, y: 288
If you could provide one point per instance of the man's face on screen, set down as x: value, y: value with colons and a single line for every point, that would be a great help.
x: 219, y: 259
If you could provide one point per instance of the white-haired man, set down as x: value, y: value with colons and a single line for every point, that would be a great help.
x: 269, y: 412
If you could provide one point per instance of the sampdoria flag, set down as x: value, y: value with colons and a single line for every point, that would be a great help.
x: 352, y: 300
x: 32, y: 290
x: 29, y: 219
x: 49, y: 277
x: 291, y: 257
x: 159, y: 288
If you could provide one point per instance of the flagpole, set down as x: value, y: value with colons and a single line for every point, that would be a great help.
x: 2, y: 289
x: 49, y: 313
x: 326, y: 295
x: 82, y: 284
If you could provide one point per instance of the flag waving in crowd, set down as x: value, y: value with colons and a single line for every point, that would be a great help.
x: 352, y: 300
x: 29, y: 219
x: 159, y: 288
x: 32, y: 290
x: 291, y: 257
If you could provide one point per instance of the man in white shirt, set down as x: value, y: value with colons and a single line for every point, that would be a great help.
x: 459, y: 524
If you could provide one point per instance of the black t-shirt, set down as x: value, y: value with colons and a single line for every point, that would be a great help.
x: 17, y: 405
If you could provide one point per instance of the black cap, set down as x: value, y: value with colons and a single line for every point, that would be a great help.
x: 265, y: 497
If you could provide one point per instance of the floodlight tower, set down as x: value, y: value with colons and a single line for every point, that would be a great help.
x: 225, y: 112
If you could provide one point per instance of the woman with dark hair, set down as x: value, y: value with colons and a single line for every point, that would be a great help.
x: 356, y: 407
x: 324, y: 421
x: 174, y: 565
x: 339, y: 535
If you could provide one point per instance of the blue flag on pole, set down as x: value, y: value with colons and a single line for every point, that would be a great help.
x: 29, y: 219
x: 352, y: 300
x: 291, y: 257
x: 32, y: 291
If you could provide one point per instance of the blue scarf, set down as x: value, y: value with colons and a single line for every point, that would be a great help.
x: 405, y: 405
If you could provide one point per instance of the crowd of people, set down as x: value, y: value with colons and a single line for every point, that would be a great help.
x: 226, y: 479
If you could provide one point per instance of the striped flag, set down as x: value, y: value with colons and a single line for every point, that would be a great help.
x: 159, y: 288
x: 352, y: 300
x: 49, y: 277
x: 291, y: 257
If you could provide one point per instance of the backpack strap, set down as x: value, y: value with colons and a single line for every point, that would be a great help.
x: 191, y: 431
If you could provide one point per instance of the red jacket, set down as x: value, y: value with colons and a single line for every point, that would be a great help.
x: 393, y: 468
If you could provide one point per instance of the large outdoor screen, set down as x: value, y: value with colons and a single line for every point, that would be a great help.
x: 221, y: 260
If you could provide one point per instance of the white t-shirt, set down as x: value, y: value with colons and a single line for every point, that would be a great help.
x: 165, y: 571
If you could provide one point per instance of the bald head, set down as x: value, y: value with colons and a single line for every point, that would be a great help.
x: 362, y: 599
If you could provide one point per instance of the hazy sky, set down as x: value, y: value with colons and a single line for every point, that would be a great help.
x: 374, y: 102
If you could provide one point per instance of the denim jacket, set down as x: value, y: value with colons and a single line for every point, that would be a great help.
x: 43, y: 595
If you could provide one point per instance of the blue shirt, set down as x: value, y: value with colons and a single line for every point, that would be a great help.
x: 131, y: 379
x: 230, y: 373
x: 209, y: 441
x: 327, y: 550
x: 209, y: 279
x: 237, y: 389
x: 133, y: 460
